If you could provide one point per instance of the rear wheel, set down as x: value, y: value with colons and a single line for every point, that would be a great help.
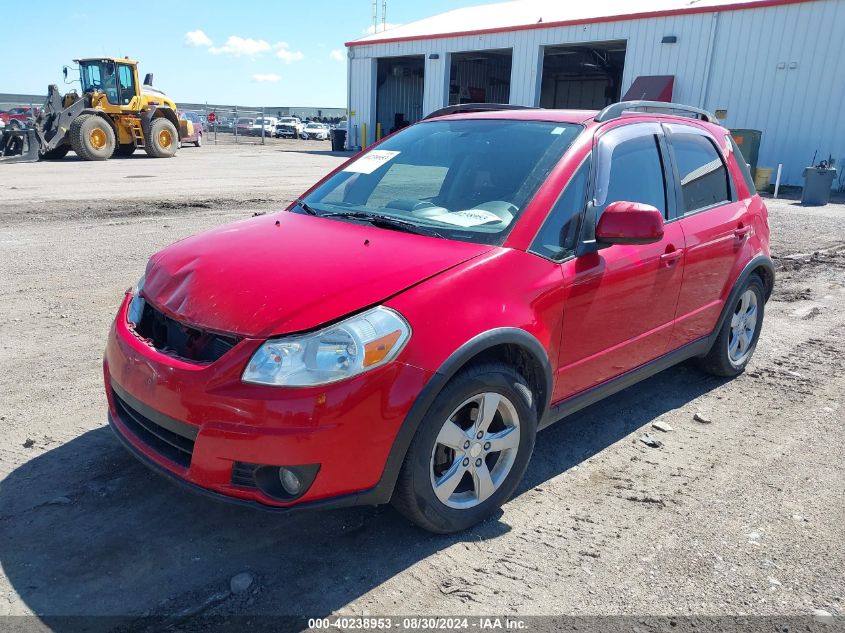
x: 163, y: 139
x: 470, y: 452
x: 92, y: 137
x: 199, y: 140
x: 125, y: 149
x: 738, y: 337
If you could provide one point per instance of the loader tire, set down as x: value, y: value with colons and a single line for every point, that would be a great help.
x: 124, y: 149
x: 163, y: 140
x: 92, y: 137
x: 57, y: 153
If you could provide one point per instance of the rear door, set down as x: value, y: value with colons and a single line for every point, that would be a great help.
x: 715, y: 225
x: 620, y: 301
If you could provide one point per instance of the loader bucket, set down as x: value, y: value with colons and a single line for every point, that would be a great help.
x: 19, y: 146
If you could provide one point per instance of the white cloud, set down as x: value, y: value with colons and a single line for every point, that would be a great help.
x: 237, y: 46
x: 241, y: 46
x: 338, y: 55
x: 262, y: 77
x: 371, y: 29
x: 284, y: 53
x: 197, y: 38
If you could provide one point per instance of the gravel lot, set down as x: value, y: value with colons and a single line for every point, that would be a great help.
x: 741, y: 515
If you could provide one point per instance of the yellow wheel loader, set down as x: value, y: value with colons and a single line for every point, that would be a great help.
x: 112, y: 116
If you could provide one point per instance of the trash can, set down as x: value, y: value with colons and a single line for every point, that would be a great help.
x: 817, y: 184
x: 338, y: 139
x: 748, y: 142
x: 762, y: 175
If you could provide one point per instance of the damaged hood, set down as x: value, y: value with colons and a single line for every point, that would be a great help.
x: 286, y: 272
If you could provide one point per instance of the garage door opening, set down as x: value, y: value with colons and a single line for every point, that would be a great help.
x: 399, y: 92
x: 480, y: 77
x: 587, y: 76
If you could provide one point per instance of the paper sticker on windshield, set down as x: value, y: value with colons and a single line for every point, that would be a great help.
x: 371, y: 161
x: 470, y: 217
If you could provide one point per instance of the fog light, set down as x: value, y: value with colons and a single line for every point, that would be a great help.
x: 290, y: 481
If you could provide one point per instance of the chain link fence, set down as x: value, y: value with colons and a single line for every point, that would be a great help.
x: 251, y: 126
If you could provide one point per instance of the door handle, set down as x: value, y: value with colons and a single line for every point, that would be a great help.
x: 742, y: 232
x: 667, y: 259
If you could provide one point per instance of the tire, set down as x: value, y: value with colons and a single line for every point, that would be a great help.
x: 429, y: 461
x: 199, y: 140
x: 14, y: 124
x: 734, y: 346
x: 92, y: 137
x: 124, y: 149
x: 57, y: 153
x: 164, y: 139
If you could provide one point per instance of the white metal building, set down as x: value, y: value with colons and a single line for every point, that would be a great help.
x: 777, y: 66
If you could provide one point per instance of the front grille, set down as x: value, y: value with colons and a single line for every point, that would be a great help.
x: 174, y: 443
x: 173, y: 338
x: 243, y: 474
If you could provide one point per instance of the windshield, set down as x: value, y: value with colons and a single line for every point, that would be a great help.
x: 466, y: 179
x: 99, y: 75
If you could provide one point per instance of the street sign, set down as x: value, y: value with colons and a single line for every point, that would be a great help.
x: 211, y: 117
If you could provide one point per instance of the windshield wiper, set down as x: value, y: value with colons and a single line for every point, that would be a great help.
x: 384, y: 222
x: 305, y: 207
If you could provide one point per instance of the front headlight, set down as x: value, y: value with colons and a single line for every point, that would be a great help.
x: 343, y: 350
x: 136, y: 305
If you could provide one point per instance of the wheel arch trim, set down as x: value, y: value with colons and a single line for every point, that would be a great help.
x: 759, y: 262
x: 383, y: 490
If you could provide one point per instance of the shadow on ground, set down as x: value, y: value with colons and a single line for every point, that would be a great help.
x: 87, y: 530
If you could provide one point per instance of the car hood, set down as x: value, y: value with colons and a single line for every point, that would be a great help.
x: 286, y: 272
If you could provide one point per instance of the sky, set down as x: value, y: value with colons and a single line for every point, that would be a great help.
x: 257, y: 53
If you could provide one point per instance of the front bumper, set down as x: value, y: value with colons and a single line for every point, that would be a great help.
x: 200, y: 424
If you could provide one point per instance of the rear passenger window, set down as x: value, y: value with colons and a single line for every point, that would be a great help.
x: 557, y: 237
x: 704, y: 179
x: 636, y: 175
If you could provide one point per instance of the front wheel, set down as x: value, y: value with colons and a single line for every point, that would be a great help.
x: 92, y: 137
x: 470, y: 451
x: 738, y: 337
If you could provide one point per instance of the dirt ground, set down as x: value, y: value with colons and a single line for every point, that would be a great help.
x: 741, y: 515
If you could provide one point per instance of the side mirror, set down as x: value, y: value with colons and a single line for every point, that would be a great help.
x: 64, y: 72
x: 630, y: 223
x: 148, y: 79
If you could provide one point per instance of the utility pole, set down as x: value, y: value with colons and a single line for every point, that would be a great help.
x: 375, y: 16
x: 384, y: 15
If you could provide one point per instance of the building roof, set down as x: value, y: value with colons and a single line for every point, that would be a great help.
x: 521, y: 15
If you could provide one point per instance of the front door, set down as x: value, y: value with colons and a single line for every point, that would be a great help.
x: 620, y: 301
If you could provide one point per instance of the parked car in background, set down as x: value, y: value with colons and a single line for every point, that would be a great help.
x: 289, y: 127
x: 17, y: 117
x: 222, y: 124
x: 316, y: 131
x: 243, y: 126
x: 266, y: 124
x: 402, y: 331
x: 198, y: 125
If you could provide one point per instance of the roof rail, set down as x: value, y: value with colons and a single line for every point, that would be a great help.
x: 615, y: 110
x: 476, y: 107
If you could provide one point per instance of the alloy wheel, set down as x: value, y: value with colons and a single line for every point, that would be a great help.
x: 743, y: 326
x: 475, y: 450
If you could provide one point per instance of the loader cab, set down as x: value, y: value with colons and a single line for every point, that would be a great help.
x: 117, y: 80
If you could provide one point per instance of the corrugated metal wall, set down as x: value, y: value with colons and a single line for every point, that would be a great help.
x: 721, y: 61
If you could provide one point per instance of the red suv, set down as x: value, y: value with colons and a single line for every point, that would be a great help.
x: 403, y: 330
